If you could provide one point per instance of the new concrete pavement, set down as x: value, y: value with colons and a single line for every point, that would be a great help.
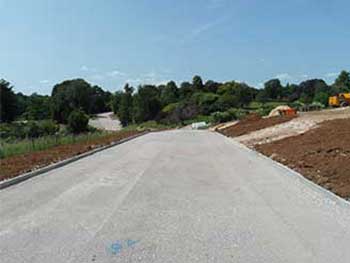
x: 178, y: 196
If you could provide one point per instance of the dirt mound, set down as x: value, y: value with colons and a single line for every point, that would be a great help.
x: 277, y: 111
x: 254, y: 122
x: 321, y: 155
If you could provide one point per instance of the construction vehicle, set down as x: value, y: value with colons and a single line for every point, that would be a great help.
x: 340, y: 100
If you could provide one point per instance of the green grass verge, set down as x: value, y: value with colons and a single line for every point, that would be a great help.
x: 8, y: 149
x: 273, y: 104
x: 149, y: 125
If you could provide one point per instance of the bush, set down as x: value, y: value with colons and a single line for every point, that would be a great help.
x: 265, y: 110
x: 237, y: 113
x: 33, y: 130
x: 170, y: 108
x: 49, y: 127
x: 78, y: 122
x: 220, y: 117
x: 321, y: 98
x: 229, y: 115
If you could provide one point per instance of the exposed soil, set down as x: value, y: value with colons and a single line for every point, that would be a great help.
x: 322, y: 155
x: 16, y: 165
x: 253, y: 123
x: 303, y: 123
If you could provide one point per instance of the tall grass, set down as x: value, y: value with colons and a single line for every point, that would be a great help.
x: 8, y: 149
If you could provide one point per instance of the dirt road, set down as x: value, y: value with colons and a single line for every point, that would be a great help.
x: 104, y: 121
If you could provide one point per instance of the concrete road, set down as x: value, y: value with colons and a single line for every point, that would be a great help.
x: 179, y: 196
x: 104, y: 121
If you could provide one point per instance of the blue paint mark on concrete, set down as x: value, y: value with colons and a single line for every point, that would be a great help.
x: 117, y: 247
x: 131, y: 243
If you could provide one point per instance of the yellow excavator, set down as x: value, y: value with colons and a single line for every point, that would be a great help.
x: 340, y: 100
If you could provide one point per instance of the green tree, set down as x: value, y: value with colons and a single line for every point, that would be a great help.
x: 206, y: 102
x: 38, y: 107
x: 273, y: 89
x: 322, y: 98
x: 33, y: 130
x: 342, y: 83
x: 197, y: 83
x: 307, y: 89
x: 78, y: 121
x: 99, y: 100
x: 227, y: 101
x: 211, y: 86
x: 169, y: 93
x: 68, y: 96
x: 77, y: 94
x: 117, y: 97
x: 8, y: 102
x: 125, y: 113
x: 186, y: 90
x: 244, y: 94
x: 147, y: 103
x: 49, y: 127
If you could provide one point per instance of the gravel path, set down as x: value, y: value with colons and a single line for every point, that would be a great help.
x: 104, y: 121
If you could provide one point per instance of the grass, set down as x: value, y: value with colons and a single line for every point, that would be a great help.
x: 200, y: 118
x: 149, y: 125
x: 256, y: 105
x: 8, y: 149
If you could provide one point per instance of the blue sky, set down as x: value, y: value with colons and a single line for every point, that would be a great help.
x: 110, y: 42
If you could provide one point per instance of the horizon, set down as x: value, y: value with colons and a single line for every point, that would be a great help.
x: 114, y: 43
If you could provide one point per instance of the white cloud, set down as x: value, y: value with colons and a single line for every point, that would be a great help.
x: 97, y: 77
x: 84, y: 68
x: 207, y: 26
x: 152, y: 78
x: 115, y: 73
x: 283, y: 76
x: 331, y: 75
x: 134, y: 81
x: 260, y: 85
x: 44, y: 81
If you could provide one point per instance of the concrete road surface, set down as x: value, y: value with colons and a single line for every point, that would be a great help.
x: 178, y: 196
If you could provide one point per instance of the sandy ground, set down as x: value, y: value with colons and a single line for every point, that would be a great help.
x: 300, y: 125
x: 104, y: 121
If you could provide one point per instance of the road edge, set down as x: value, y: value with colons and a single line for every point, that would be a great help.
x: 298, y: 176
x: 23, y: 177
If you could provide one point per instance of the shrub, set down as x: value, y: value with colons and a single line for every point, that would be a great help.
x: 265, y: 110
x: 321, y: 98
x: 229, y: 115
x: 170, y: 108
x: 33, y: 130
x: 225, y: 116
x: 49, y: 127
x: 78, y: 122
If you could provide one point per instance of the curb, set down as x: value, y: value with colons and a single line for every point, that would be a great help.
x: 23, y: 177
x: 341, y: 201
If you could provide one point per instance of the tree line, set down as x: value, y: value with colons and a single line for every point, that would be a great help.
x: 166, y: 103
x: 170, y: 103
